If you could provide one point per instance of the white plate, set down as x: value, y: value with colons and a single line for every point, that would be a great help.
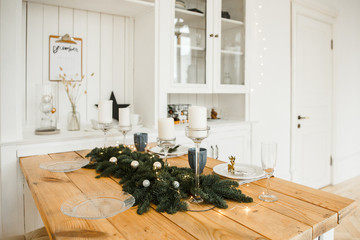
x: 97, y: 205
x: 64, y: 166
x: 181, y: 150
x: 242, y: 171
x: 134, y: 127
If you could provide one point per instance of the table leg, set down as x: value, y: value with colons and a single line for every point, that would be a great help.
x: 329, y: 235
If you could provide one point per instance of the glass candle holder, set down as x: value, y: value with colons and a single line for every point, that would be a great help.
x: 105, y: 127
x: 197, y: 136
x: 124, y: 130
x: 166, y: 144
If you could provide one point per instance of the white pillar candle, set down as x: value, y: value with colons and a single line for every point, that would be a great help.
x: 105, y: 111
x: 197, y: 117
x: 166, y: 128
x: 124, y: 116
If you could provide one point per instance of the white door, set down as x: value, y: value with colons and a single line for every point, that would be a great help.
x: 311, y: 98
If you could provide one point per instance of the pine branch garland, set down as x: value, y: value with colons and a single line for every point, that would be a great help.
x: 167, y: 196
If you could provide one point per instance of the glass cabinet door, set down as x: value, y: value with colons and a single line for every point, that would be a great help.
x: 190, y: 42
x: 232, y: 42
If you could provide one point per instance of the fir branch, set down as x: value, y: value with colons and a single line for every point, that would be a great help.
x: 161, y: 191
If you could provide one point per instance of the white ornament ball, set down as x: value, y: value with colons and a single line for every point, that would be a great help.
x: 176, y: 184
x: 46, y: 99
x: 146, y: 183
x: 113, y: 159
x: 157, y: 165
x: 134, y: 164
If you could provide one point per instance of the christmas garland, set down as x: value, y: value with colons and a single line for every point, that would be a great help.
x: 149, y: 181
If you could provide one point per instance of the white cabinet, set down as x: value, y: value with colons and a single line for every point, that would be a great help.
x: 209, y: 43
x: 234, y: 141
x: 224, y: 141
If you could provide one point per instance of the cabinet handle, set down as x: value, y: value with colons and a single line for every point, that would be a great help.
x: 211, y: 35
x: 216, y: 35
x: 301, y: 117
x: 217, y: 152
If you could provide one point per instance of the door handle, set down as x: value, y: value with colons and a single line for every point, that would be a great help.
x: 302, y: 118
x: 211, y: 35
x: 217, y: 152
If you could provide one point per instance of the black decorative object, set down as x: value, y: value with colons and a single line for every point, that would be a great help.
x: 164, y: 186
x: 116, y: 106
x: 225, y: 14
x: 195, y: 10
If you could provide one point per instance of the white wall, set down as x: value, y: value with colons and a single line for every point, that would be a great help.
x: 11, y: 70
x: 11, y: 107
x: 268, y: 69
x: 347, y: 90
x: 104, y: 42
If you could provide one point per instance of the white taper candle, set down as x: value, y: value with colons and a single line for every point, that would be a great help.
x: 124, y: 117
x: 197, y: 117
x: 166, y: 128
x: 105, y: 111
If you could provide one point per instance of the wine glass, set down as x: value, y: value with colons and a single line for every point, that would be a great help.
x: 268, y: 162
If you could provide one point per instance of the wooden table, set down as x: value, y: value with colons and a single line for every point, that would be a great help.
x: 300, y: 213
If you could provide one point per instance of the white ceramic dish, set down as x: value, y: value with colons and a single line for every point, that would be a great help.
x: 242, y: 171
x: 97, y: 205
x: 181, y: 150
x: 64, y: 166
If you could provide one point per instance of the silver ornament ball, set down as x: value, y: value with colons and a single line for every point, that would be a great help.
x: 113, y: 159
x: 176, y: 184
x: 157, y: 165
x: 146, y: 183
x: 134, y: 164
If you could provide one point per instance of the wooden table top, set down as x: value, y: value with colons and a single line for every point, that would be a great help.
x: 300, y: 213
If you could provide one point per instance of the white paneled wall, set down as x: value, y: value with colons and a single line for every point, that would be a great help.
x: 105, y: 40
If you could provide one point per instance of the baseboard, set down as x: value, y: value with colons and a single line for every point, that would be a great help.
x: 345, y: 168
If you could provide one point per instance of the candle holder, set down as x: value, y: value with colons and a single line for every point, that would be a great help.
x: 166, y: 144
x: 124, y: 130
x: 105, y: 127
x: 197, y: 136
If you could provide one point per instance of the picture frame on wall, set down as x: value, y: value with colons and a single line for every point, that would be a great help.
x: 65, y: 53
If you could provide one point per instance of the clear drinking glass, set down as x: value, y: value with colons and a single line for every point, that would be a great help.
x: 268, y: 162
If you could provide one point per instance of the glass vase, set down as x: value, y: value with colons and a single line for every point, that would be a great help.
x: 73, y: 120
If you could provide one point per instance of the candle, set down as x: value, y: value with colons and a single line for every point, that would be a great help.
x: 105, y: 111
x: 166, y: 128
x: 124, y: 116
x: 197, y: 117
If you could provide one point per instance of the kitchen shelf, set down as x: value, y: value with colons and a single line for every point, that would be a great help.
x: 230, y: 52
x: 193, y: 48
x: 190, y: 18
x: 130, y: 8
x: 230, y: 24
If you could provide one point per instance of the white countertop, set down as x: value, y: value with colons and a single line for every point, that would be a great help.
x: 87, y: 132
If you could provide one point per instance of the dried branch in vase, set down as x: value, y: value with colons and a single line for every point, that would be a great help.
x: 73, y: 89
